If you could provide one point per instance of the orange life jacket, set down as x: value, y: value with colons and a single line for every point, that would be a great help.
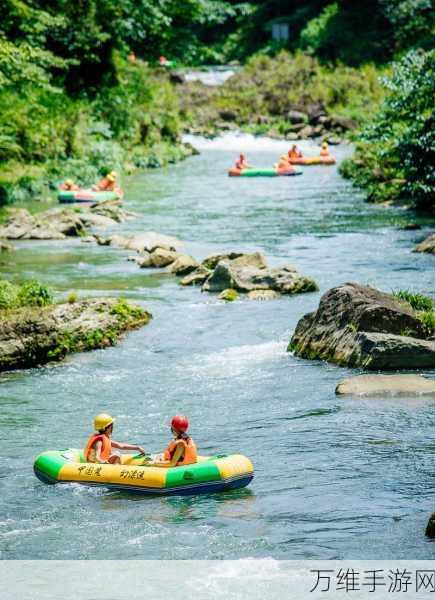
x: 324, y: 152
x: 105, y: 185
x: 190, y: 455
x: 284, y: 165
x: 89, y: 452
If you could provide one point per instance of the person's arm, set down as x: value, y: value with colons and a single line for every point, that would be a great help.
x: 179, y: 451
x: 121, y: 446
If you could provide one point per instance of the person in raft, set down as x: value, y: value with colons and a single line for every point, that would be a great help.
x: 325, y: 149
x: 284, y: 164
x: 182, y: 449
x: 294, y: 153
x: 69, y: 186
x: 100, y: 445
x: 107, y: 184
x: 242, y: 163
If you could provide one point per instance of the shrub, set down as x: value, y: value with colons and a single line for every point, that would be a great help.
x: 428, y: 321
x: 33, y: 293
x: 72, y: 298
x: 417, y: 301
x: 8, y: 295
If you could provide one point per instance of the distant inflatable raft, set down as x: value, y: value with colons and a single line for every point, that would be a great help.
x: 208, y: 475
x: 262, y: 173
x: 313, y: 160
x: 71, y: 197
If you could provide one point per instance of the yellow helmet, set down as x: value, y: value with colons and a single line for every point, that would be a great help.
x: 102, y: 421
x: 284, y: 156
x: 325, y: 145
x: 113, y: 174
x: 69, y: 181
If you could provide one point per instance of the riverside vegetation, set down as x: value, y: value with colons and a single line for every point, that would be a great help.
x: 75, y: 101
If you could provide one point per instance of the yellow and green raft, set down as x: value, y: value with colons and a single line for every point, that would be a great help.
x: 209, y: 474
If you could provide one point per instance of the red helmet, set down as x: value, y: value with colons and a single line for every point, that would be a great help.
x: 180, y: 423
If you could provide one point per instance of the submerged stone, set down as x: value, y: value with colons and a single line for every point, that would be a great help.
x: 384, y: 385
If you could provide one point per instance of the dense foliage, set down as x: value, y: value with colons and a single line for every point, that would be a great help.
x: 81, y: 91
x: 395, y: 156
x: 260, y: 97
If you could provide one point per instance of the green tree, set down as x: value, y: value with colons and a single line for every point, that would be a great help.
x: 396, y: 154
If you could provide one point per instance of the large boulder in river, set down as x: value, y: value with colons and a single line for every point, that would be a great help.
x: 230, y: 274
x: 386, y: 385
x: 32, y: 336
x: 427, y: 245
x: 360, y: 326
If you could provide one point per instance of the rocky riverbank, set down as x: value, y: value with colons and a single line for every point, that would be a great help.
x: 31, y: 336
x: 427, y: 245
x: 59, y: 223
x: 359, y: 326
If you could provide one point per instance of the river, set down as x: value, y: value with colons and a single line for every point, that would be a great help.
x: 335, y: 477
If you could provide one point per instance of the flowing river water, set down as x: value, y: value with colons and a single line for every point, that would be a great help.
x: 335, y: 477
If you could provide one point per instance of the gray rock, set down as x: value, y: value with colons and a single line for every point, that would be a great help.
x: 333, y: 140
x: 147, y: 241
x: 183, y: 265
x: 295, y: 116
x: 343, y: 123
x: 238, y: 259
x: 306, y: 132
x: 143, y: 260
x: 197, y: 277
x: 427, y: 245
x: 285, y: 280
x: 360, y: 326
x: 430, y: 528
x: 384, y: 385
x: 263, y: 295
x: 112, y: 210
x: 90, y: 219
x: 5, y: 247
x: 64, y: 221
x: 162, y: 258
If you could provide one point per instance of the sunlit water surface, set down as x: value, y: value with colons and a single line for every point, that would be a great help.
x: 335, y: 477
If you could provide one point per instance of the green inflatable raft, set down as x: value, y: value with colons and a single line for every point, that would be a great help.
x: 262, y: 173
x: 209, y: 474
x: 71, y: 197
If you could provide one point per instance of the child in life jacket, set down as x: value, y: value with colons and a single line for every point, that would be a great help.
x: 294, y: 153
x: 182, y: 450
x: 99, y: 446
x: 325, y: 150
x: 69, y: 186
x: 284, y: 165
x: 242, y: 163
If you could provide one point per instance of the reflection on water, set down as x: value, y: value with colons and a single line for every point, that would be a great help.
x: 335, y: 477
